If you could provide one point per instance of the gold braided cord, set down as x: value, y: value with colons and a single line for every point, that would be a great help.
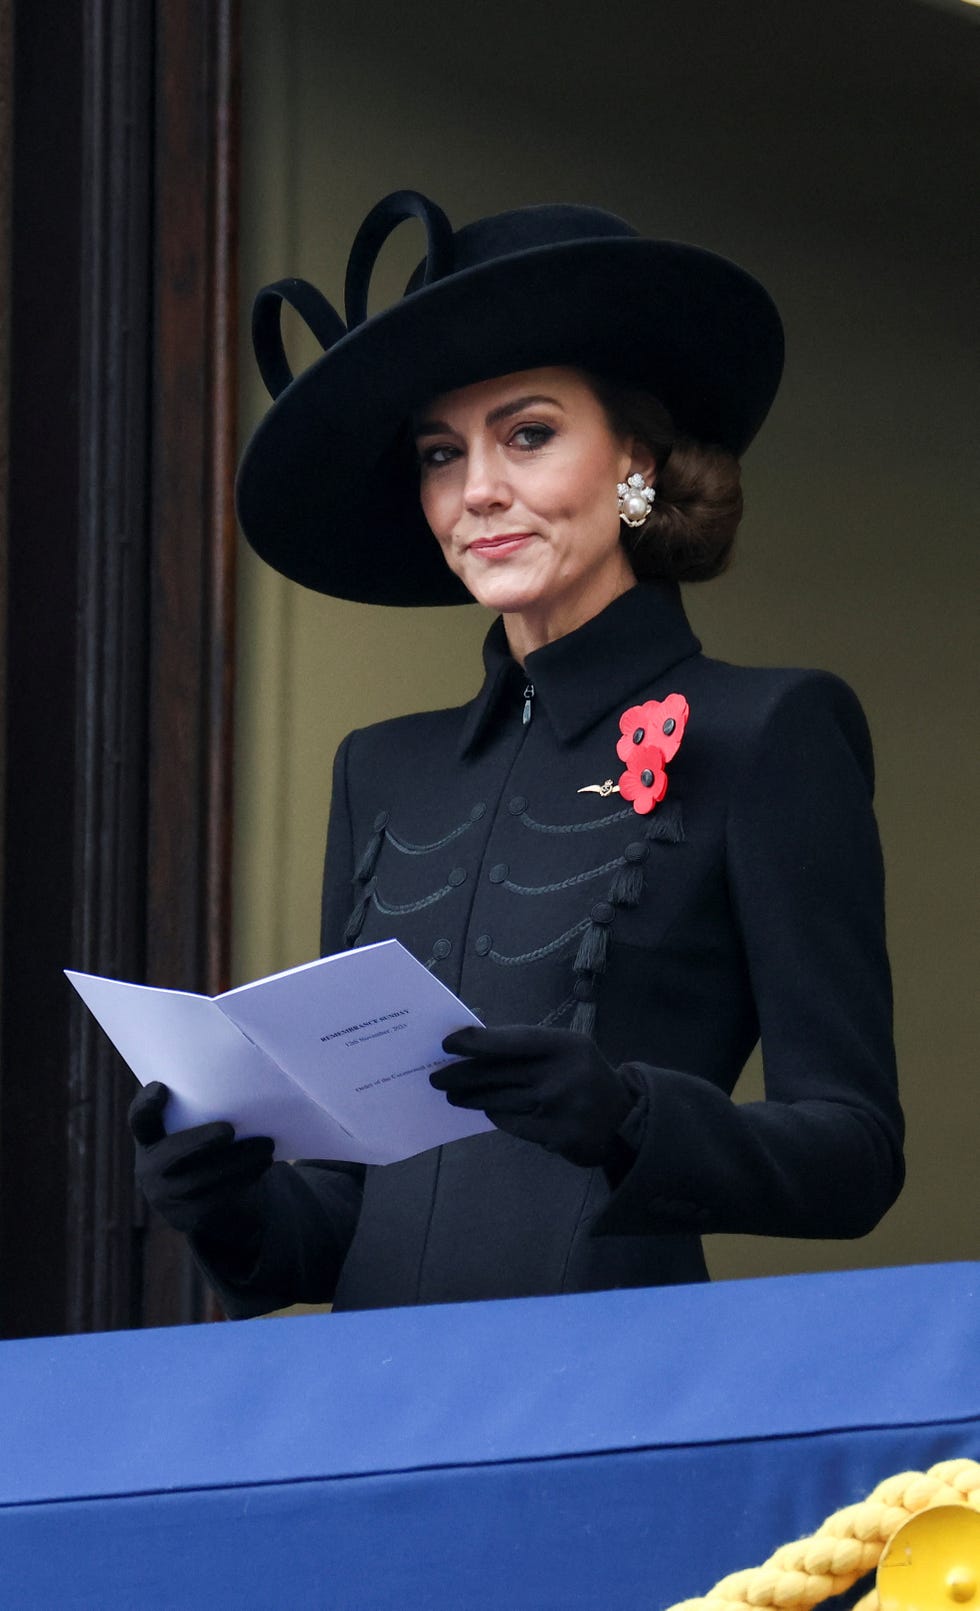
x: 847, y: 1545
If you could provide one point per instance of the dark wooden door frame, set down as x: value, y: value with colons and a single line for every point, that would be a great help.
x: 120, y: 614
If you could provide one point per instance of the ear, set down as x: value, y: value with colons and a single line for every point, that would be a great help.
x: 638, y: 460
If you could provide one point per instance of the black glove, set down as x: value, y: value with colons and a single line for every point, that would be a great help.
x: 202, y: 1181
x: 551, y: 1086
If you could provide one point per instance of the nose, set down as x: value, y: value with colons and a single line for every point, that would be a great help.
x: 486, y: 486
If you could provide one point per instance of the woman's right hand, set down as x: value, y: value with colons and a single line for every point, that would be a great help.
x: 200, y: 1180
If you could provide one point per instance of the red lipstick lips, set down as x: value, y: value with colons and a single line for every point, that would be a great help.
x: 503, y: 543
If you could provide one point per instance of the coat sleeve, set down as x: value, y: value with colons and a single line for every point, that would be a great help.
x: 308, y: 1210
x: 821, y: 1156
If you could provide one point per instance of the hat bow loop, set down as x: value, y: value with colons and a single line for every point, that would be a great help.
x: 313, y: 308
x: 377, y: 226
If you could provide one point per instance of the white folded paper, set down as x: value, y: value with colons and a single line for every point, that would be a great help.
x: 331, y: 1059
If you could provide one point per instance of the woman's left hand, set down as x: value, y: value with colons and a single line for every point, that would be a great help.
x: 550, y: 1086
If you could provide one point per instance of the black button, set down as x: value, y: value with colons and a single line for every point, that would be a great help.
x: 483, y: 944
x: 498, y: 872
x: 583, y: 990
x: 441, y: 949
x: 639, y: 735
x: 517, y: 805
x: 669, y: 725
x: 602, y: 912
x: 646, y: 777
x: 477, y: 811
x: 637, y: 851
x: 457, y: 877
x: 381, y: 821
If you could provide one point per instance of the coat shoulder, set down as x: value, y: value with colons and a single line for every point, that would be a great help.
x: 752, y: 699
x: 749, y: 710
x: 757, y: 692
x: 407, y: 736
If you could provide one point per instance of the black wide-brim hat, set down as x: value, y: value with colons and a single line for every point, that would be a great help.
x: 328, y: 486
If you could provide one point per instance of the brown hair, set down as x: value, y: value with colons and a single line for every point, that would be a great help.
x: 690, y: 532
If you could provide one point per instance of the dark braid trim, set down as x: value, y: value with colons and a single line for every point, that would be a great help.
x: 369, y: 857
x: 364, y: 881
x: 625, y: 889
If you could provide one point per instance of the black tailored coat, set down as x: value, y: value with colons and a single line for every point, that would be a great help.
x: 748, y: 902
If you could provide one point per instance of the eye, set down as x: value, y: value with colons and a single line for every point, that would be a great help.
x: 432, y: 458
x: 529, y: 437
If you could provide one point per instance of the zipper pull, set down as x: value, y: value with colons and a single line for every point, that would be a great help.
x: 528, y: 696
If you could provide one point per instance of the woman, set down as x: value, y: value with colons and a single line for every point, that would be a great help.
x: 549, y: 422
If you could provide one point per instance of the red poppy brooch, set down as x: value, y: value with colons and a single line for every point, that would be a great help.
x: 652, y: 736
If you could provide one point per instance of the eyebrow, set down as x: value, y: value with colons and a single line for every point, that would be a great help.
x: 505, y: 410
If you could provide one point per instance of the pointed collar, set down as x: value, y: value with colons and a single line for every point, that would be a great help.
x: 579, y: 678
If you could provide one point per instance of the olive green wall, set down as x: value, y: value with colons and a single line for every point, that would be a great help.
x: 832, y: 151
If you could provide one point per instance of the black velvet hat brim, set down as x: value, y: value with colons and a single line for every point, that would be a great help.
x: 327, y: 491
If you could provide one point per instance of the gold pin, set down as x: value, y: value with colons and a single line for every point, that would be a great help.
x: 609, y: 787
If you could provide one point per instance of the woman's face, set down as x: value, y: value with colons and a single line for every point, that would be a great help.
x: 518, y: 483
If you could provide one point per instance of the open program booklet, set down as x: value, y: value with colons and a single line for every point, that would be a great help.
x: 331, y: 1059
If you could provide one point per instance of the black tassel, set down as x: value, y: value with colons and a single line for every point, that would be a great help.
x: 667, y: 827
x: 625, y: 890
x: 583, y: 1018
x: 368, y: 861
x: 593, y: 949
x: 355, y: 922
x: 627, y: 885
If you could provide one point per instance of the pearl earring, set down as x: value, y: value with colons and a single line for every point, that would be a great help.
x: 635, y: 500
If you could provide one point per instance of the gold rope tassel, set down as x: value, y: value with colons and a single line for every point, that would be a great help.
x: 849, y: 1544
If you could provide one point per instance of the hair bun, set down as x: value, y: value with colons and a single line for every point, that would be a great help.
x: 691, y: 530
